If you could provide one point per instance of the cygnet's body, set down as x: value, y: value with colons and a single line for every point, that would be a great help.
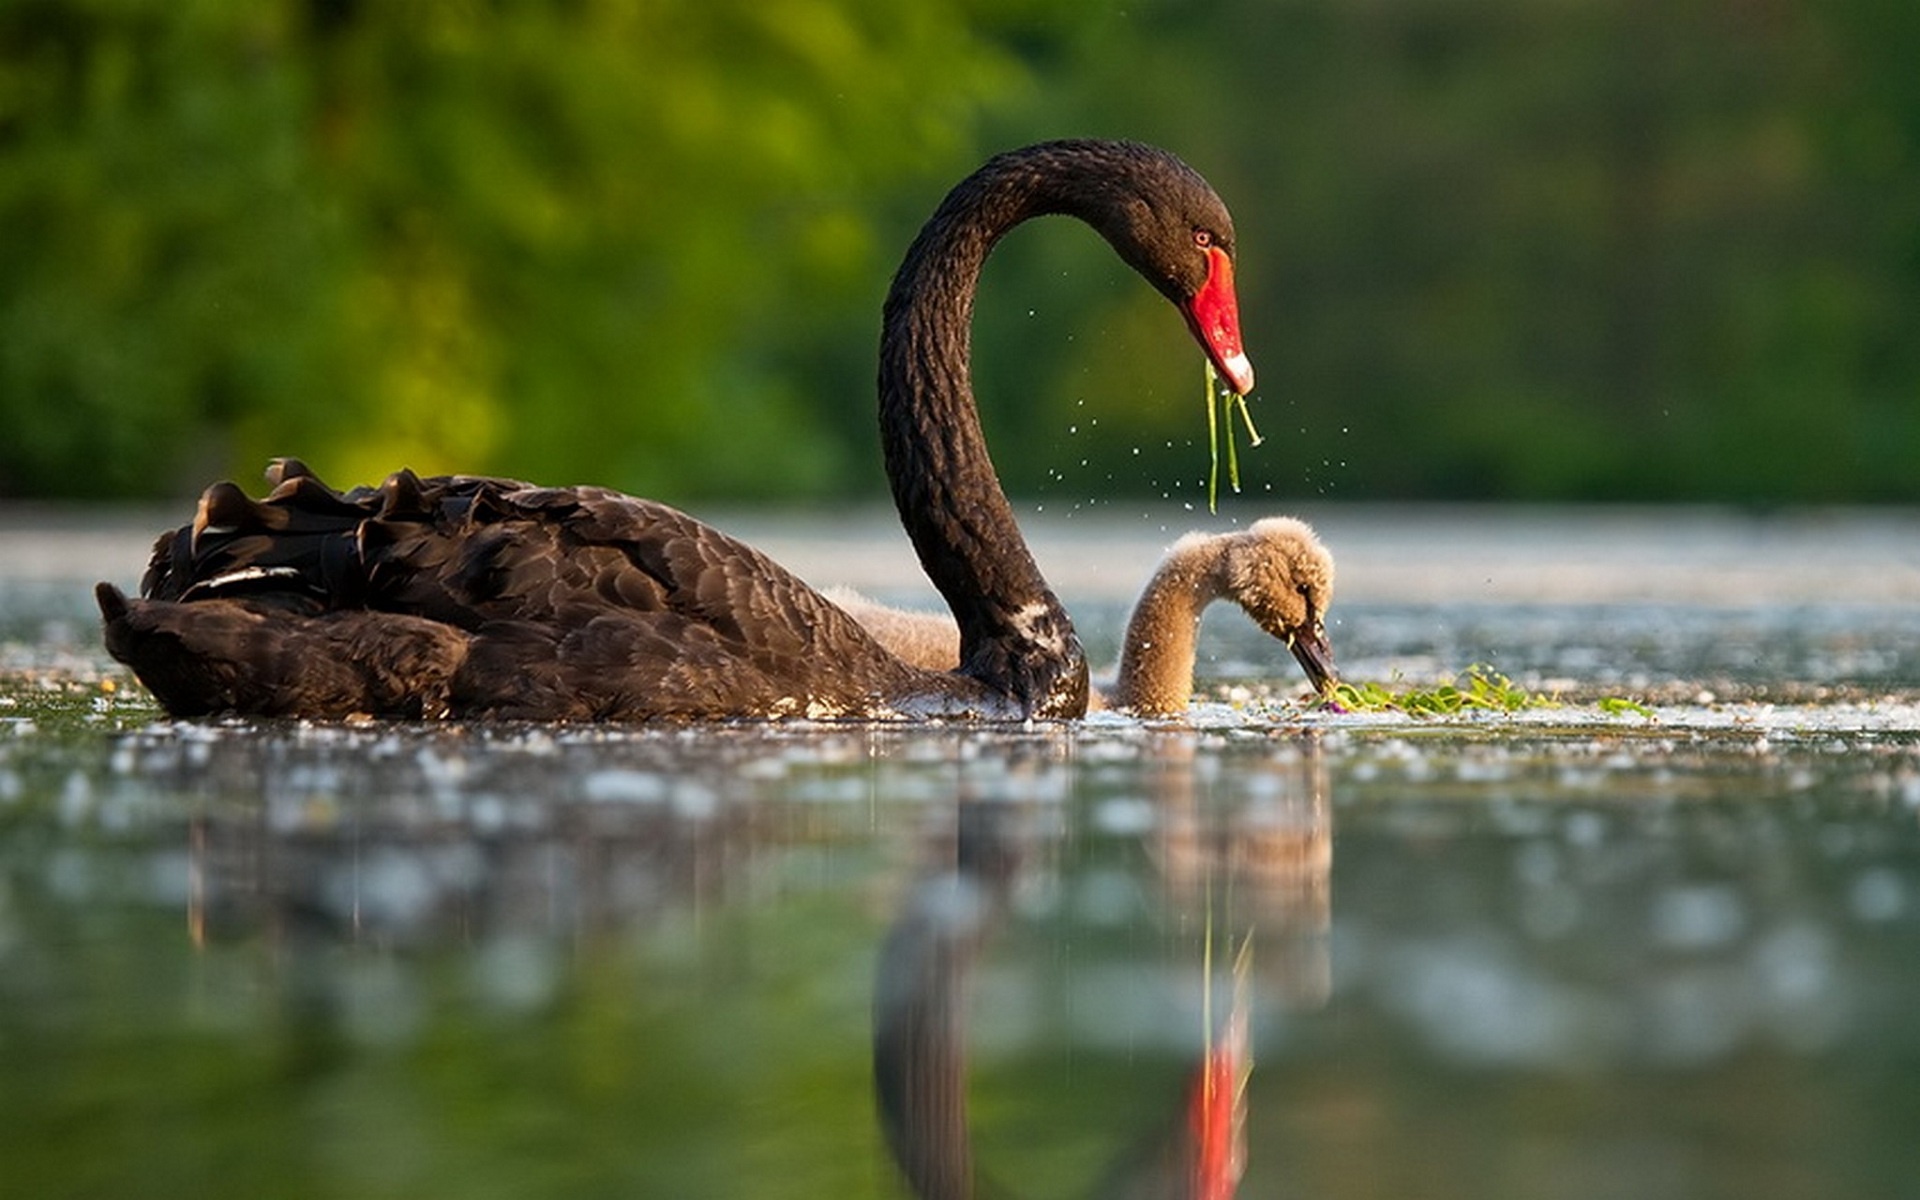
x: 1276, y: 569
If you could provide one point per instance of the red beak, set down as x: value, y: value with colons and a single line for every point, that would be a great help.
x: 1214, y: 316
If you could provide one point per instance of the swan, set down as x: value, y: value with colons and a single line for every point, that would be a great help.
x: 1276, y: 569
x: 471, y: 597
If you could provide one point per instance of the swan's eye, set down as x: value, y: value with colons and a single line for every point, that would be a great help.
x: 1202, y: 238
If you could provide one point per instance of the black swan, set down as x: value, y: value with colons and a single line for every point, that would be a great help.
x: 1276, y: 569
x: 462, y: 596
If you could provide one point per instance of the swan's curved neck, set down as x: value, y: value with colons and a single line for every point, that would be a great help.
x: 1156, y: 661
x: 943, y: 479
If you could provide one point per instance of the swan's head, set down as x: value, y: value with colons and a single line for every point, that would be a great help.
x: 1169, y: 224
x: 1280, y: 573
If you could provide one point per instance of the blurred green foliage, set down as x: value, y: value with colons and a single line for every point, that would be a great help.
x: 1622, y: 249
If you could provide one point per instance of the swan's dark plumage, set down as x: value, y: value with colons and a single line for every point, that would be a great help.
x: 497, y: 598
x: 478, y: 597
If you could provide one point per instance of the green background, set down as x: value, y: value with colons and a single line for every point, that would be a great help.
x: 1515, y: 249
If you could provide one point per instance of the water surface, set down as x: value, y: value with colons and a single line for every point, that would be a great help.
x: 1556, y: 954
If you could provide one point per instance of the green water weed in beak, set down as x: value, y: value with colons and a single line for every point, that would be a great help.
x: 1219, y: 423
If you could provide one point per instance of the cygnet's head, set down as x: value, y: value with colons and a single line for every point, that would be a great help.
x: 1281, y: 574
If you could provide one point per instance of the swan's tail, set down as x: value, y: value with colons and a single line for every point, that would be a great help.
x: 252, y: 656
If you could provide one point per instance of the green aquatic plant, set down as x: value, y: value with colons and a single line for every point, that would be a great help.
x: 1222, y: 422
x: 1477, y: 689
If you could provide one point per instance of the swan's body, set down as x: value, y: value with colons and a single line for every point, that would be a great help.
x: 1275, y: 569
x: 467, y: 596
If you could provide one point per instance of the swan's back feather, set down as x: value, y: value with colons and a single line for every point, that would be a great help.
x: 537, y: 602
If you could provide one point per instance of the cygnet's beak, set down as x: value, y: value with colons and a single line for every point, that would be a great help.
x: 1315, y: 656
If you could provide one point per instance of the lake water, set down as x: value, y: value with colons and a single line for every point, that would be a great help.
x: 1550, y: 954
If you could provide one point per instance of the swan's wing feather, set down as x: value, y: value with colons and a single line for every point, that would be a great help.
x: 615, y: 665
x: 563, y: 602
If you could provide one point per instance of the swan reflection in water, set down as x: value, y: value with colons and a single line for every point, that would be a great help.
x: 534, y: 893
x: 1275, y: 856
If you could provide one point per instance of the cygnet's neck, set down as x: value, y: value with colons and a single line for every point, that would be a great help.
x: 1157, y: 659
